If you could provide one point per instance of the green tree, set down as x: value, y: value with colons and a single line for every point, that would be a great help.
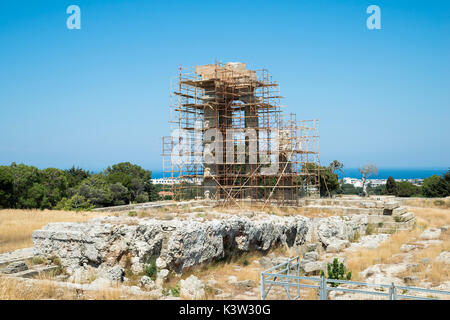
x: 77, y: 203
x: 335, y: 165
x: 6, y: 187
x: 136, y: 179
x: 96, y: 190
x: 447, y: 181
x: 329, y: 182
x: 378, y: 190
x: 391, y: 186
x: 407, y: 189
x: 348, y: 188
x: 35, y: 197
x: 24, y: 178
x: 120, y: 194
x: 75, y: 176
x: 55, y: 183
x: 435, y: 186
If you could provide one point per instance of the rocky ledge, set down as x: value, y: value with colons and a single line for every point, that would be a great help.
x: 110, y: 242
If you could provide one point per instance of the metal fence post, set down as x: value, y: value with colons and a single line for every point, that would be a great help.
x: 298, y: 275
x: 392, y: 292
x: 323, y: 288
x: 262, y: 286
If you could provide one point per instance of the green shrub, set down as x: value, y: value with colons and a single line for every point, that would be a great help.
x: 436, y: 186
x: 57, y: 262
x: 37, y: 260
x: 407, y: 189
x: 337, y: 271
x: 175, y: 290
x: 150, y: 270
x: 132, y: 214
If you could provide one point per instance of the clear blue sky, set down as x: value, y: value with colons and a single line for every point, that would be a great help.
x: 100, y: 95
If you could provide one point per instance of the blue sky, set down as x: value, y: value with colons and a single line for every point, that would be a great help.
x: 100, y: 95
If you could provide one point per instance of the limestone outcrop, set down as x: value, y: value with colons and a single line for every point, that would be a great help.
x: 179, y: 244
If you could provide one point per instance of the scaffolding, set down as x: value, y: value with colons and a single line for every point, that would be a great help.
x: 231, y: 142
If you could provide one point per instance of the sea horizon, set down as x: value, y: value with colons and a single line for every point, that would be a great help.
x: 383, y: 173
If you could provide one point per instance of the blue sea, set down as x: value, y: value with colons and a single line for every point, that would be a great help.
x: 397, y: 173
x: 383, y: 173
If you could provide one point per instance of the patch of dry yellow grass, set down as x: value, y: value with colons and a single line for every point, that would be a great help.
x: 275, y: 210
x: 388, y: 252
x: 243, y: 267
x: 443, y: 203
x: 16, y: 226
x: 436, y: 272
x: 20, y: 289
x: 431, y: 217
x: 13, y: 289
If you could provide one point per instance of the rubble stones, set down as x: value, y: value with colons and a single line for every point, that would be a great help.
x: 192, y: 288
x: 430, y: 234
x: 15, y: 267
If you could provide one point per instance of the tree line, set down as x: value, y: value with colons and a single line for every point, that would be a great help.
x: 27, y: 187
x: 433, y: 187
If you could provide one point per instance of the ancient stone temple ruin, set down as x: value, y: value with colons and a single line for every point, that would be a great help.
x: 254, y: 150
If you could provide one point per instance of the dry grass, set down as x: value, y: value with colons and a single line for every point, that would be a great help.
x: 275, y: 210
x: 243, y: 267
x: 431, y: 217
x: 443, y: 203
x: 436, y: 272
x: 388, y: 252
x: 16, y: 226
x: 13, y: 289
x: 20, y: 289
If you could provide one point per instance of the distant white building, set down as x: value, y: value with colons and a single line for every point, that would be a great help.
x: 170, y: 181
x: 165, y: 181
x: 357, y: 183
x: 377, y: 182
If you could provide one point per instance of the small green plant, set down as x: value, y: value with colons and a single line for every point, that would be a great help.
x: 175, y: 290
x: 132, y: 214
x: 165, y: 292
x: 397, y: 219
x: 57, y: 262
x: 150, y: 270
x: 336, y: 270
x: 37, y: 260
x: 380, y: 224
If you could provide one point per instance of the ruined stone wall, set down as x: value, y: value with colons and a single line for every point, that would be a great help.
x: 178, y: 245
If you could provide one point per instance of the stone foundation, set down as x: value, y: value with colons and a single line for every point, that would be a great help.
x: 385, y: 215
x: 132, y: 242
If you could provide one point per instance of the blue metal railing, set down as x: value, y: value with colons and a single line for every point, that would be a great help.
x: 287, y: 275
